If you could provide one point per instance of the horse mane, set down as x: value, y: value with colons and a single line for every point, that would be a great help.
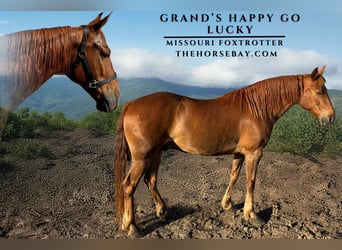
x: 29, y: 58
x: 265, y: 98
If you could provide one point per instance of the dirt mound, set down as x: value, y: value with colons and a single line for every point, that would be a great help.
x: 70, y: 194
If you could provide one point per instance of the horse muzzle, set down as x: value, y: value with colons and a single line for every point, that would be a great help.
x: 108, y: 104
x: 327, y: 120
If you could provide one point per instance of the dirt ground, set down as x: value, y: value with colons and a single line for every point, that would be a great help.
x: 70, y: 194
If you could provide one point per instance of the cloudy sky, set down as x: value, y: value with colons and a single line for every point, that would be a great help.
x: 136, y: 33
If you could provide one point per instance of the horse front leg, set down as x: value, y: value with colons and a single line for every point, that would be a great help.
x: 226, y: 202
x: 252, y: 161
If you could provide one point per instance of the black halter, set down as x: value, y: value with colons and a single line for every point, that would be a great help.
x: 82, y: 58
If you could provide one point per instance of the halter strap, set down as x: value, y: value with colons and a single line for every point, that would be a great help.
x: 82, y: 58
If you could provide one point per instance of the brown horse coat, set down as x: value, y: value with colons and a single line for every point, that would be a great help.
x: 239, y: 122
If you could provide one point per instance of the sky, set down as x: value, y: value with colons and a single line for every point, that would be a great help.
x: 135, y: 33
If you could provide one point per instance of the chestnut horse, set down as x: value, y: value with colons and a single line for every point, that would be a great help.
x: 239, y: 123
x: 29, y: 58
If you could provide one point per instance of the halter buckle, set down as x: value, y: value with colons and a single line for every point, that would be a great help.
x: 82, y: 54
x: 94, y: 84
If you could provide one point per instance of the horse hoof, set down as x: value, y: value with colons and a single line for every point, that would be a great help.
x: 162, y: 214
x: 256, y: 221
x: 227, y: 206
x: 133, y: 233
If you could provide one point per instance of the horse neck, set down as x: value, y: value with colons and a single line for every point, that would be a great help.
x: 271, y: 98
x: 32, y: 57
x: 50, y: 51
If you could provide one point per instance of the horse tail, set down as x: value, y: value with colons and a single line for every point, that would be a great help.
x: 120, y: 159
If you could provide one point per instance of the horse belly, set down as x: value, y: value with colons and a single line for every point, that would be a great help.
x: 206, y: 144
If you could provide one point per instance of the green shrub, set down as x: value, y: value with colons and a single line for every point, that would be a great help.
x: 296, y: 132
x: 58, y: 121
x: 26, y: 124
x: 300, y: 132
x: 29, y: 149
x: 100, y: 121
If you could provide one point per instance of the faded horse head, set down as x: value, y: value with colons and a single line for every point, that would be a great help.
x: 29, y: 58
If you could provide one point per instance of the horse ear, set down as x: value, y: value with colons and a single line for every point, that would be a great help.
x: 97, y: 23
x: 321, y: 71
x: 96, y: 20
x: 317, y: 73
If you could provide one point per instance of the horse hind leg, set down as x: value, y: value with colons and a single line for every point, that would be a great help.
x: 129, y: 186
x: 150, y: 180
x: 226, y: 202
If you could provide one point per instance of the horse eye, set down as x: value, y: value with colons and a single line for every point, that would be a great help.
x: 320, y: 92
x: 105, y: 55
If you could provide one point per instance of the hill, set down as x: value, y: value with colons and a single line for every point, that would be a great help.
x: 135, y: 87
x: 336, y: 98
x: 66, y: 192
x: 60, y: 94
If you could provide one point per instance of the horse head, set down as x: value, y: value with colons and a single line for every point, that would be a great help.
x: 315, y: 97
x: 93, y: 68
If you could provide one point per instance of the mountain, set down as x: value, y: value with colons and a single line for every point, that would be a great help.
x: 135, y: 87
x: 60, y: 94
